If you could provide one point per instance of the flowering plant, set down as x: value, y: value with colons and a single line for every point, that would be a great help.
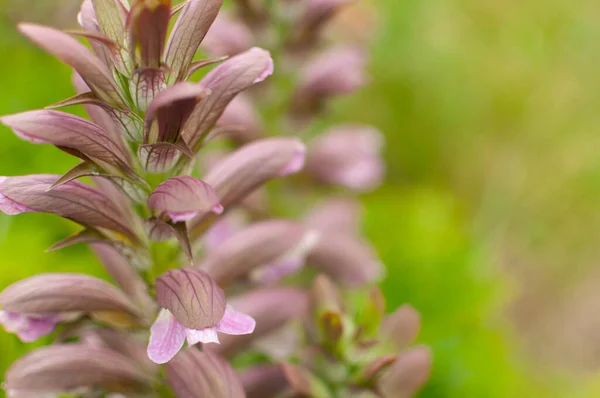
x: 214, y: 261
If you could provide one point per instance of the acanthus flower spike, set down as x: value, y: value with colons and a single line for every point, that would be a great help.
x: 148, y: 206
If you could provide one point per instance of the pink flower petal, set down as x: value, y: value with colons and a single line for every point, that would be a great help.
x: 28, y: 328
x: 206, y: 335
x: 166, y: 337
x: 183, y: 216
x: 236, y: 323
x: 12, y: 321
x: 36, y: 328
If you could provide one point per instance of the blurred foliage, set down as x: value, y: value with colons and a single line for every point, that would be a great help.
x: 489, y: 221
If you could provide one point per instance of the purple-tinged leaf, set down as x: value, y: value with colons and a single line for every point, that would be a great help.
x: 63, y: 292
x: 74, y: 200
x: 346, y: 259
x: 65, y: 367
x: 170, y: 110
x: 73, y: 53
x: 147, y: 24
x: 259, y: 244
x: 192, y: 296
x: 264, y: 381
x: 227, y: 80
x: 406, y: 376
x: 182, y: 198
x: 227, y: 36
x: 271, y: 309
x: 69, y: 131
x: 196, y: 374
x: 193, y: 22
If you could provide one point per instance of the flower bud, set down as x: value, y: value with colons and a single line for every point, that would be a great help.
x: 62, y: 293
x: 227, y: 80
x: 401, y: 327
x: 337, y: 71
x: 73, y: 200
x: 278, y: 245
x: 240, y: 120
x: 227, y: 36
x: 196, y: 374
x: 336, y: 215
x: 347, y: 156
x: 64, y: 368
x: 346, y: 259
x: 264, y: 381
x: 407, y: 374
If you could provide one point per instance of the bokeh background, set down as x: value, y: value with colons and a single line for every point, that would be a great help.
x: 489, y: 221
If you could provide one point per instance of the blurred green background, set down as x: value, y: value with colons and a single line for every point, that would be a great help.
x: 490, y: 219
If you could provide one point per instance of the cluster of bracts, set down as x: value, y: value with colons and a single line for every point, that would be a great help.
x: 216, y: 261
